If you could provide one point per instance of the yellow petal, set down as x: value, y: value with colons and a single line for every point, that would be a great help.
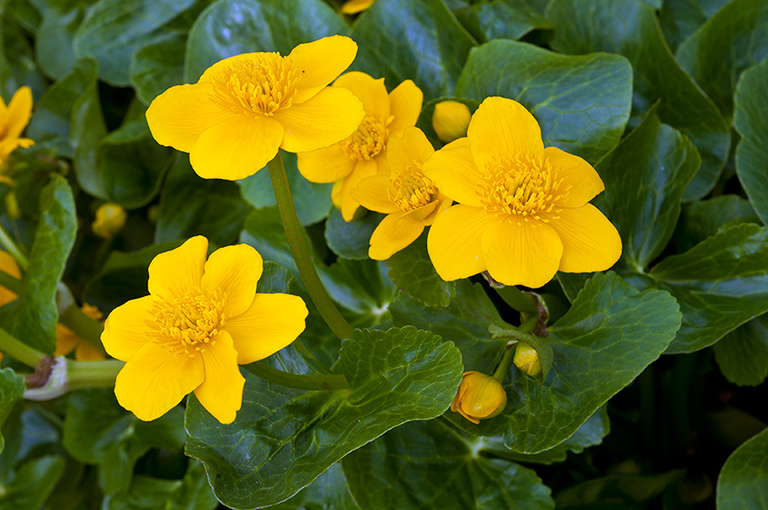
x: 221, y: 394
x: 87, y: 352
x: 395, y: 232
x: 8, y: 265
x: 19, y: 112
x: 590, y: 241
x: 355, y: 6
x: 373, y: 194
x: 325, y: 165
x: 177, y: 271
x: 453, y: 171
x: 236, y: 148
x: 412, y: 147
x: 405, y: 106
x: 321, y: 62
x: 577, y: 174
x: 155, y: 380
x: 66, y: 340
x: 126, y: 330
x: 371, y: 92
x: 527, y: 254
x: 233, y: 272
x: 420, y: 214
x: 349, y: 205
x: 454, y: 242
x: 272, y: 322
x: 502, y: 127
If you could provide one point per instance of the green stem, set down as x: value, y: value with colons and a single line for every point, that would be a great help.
x: 517, y: 299
x: 506, y: 361
x: 11, y: 283
x: 83, y: 326
x: 92, y: 374
x: 529, y: 324
x: 295, y: 233
x: 7, y: 241
x: 19, y: 350
x: 300, y: 382
x: 312, y: 360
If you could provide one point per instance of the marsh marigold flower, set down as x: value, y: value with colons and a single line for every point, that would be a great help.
x: 13, y: 119
x: 523, y: 211
x: 355, y: 6
x: 244, y: 108
x: 450, y: 120
x: 67, y: 341
x: 479, y: 397
x: 410, y: 200
x: 364, y: 153
x: 201, y: 319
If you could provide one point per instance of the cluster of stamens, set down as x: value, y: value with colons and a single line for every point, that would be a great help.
x: 189, y: 323
x: 411, y: 189
x: 368, y: 141
x: 262, y: 85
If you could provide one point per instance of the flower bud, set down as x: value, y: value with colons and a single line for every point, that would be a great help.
x: 110, y: 219
x: 450, y: 120
x: 479, y: 397
x: 527, y: 359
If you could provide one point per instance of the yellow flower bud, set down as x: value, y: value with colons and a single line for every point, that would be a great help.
x: 527, y: 359
x: 450, y: 120
x: 110, y: 219
x: 479, y: 397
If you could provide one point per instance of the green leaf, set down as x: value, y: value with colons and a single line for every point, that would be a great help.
x: 54, y: 39
x: 413, y: 273
x: 159, y: 66
x: 704, y: 218
x: 501, y: 19
x: 429, y: 465
x: 738, y: 485
x: 583, y: 26
x: 582, y: 103
x: 33, y: 483
x: 622, y: 489
x: 34, y: 315
x: 742, y: 354
x: 720, y: 284
x: 645, y: 177
x: 232, y: 27
x: 328, y: 491
x: 423, y: 38
x: 98, y: 431
x: 735, y: 38
x: 114, y: 30
x: 350, y: 239
x: 25, y: 14
x: 17, y: 62
x: 680, y: 18
x: 750, y: 118
x: 12, y: 388
x: 284, y: 438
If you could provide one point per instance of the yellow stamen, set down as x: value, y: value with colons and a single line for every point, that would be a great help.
x: 368, y: 141
x: 411, y: 189
x: 189, y: 323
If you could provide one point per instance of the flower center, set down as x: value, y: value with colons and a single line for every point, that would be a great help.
x: 523, y: 186
x: 190, y: 322
x: 368, y: 141
x: 411, y: 189
x: 263, y: 85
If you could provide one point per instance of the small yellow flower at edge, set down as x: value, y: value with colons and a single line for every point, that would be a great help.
x: 355, y: 6
x: 479, y: 397
x: 409, y: 199
x: 13, y: 120
x: 523, y: 211
x: 364, y: 153
x: 244, y: 108
x: 8, y: 265
x: 201, y: 319
x: 450, y: 120
x: 110, y: 220
x: 67, y: 341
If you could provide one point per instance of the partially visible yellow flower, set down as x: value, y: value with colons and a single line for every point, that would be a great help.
x: 479, y: 397
x: 244, y: 108
x: 364, y: 153
x: 13, y: 120
x: 110, y: 220
x: 527, y: 359
x: 450, y: 120
x: 8, y: 265
x: 67, y: 341
x: 410, y: 200
x: 201, y: 319
x: 355, y: 6
x: 523, y: 211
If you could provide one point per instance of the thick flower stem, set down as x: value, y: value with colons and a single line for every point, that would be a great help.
x: 19, y: 350
x: 7, y: 241
x: 506, y: 361
x: 517, y: 299
x: 295, y: 233
x: 83, y: 326
x: 298, y: 381
x: 92, y: 374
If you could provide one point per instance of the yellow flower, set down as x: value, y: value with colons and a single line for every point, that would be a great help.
x: 527, y: 359
x: 13, y: 120
x: 201, y: 319
x: 8, y: 265
x: 364, y: 153
x: 479, y: 397
x: 450, y: 120
x: 523, y: 211
x: 243, y: 108
x: 110, y: 219
x: 355, y: 6
x: 409, y: 199
x: 67, y: 341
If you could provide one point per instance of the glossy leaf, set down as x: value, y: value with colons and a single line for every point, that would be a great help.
x: 736, y: 485
x: 414, y: 274
x: 17, y: 61
x: 625, y: 490
x: 350, y: 240
x: 11, y: 389
x: 742, y: 354
x: 680, y: 18
x: 707, y: 217
x: 32, y: 484
x: 159, y: 66
x: 328, y: 491
x: 56, y: 34
x: 501, y: 19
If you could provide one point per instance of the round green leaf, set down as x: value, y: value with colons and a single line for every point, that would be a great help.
x: 739, y: 485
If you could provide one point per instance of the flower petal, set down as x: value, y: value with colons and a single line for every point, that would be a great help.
x: 236, y: 148
x: 395, y: 232
x: 178, y: 116
x: 355, y: 6
x: 127, y: 329
x: 371, y: 92
x: 454, y: 242
x: 66, y: 340
x: 578, y: 175
x: 412, y: 147
x: 373, y: 194
x: 590, y: 241
x: 329, y: 117
x: 502, y: 127
x: 221, y: 394
x: 233, y: 272
x: 521, y: 254
x: 453, y: 170
x: 8, y: 265
x: 177, y: 271
x: 405, y: 106
x: 325, y: 165
x: 272, y: 322
x: 19, y: 112
x: 87, y: 352
x: 321, y: 62
x: 155, y: 380
x: 363, y: 169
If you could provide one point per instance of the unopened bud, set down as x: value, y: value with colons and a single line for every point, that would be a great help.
x: 527, y: 359
x: 479, y: 397
x: 110, y: 219
x: 450, y: 120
